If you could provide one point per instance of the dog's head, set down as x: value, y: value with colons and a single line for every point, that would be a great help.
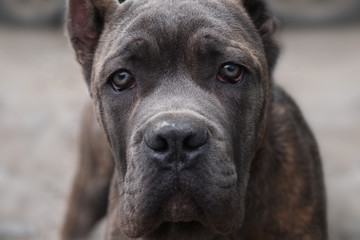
x: 181, y: 89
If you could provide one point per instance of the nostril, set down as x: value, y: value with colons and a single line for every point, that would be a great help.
x: 195, y: 140
x: 161, y: 145
x: 157, y: 143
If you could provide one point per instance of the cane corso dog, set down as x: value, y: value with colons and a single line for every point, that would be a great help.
x: 187, y: 136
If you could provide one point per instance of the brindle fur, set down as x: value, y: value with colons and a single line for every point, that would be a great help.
x: 279, y: 192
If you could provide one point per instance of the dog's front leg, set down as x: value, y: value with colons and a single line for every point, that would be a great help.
x: 89, y: 196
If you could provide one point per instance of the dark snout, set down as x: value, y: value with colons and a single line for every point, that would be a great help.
x: 181, y: 170
x: 176, y: 142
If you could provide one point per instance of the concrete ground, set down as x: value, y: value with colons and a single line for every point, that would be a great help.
x: 42, y: 95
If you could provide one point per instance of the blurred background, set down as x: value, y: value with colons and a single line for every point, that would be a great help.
x: 42, y: 95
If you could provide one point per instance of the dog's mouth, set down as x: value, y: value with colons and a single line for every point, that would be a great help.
x: 212, y: 202
x: 180, y: 207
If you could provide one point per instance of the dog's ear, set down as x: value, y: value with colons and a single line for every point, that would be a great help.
x: 85, y: 22
x: 260, y: 15
x: 266, y: 26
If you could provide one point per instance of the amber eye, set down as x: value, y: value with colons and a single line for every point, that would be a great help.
x: 231, y: 73
x: 122, y: 80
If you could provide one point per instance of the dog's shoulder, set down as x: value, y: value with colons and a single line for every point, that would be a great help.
x: 289, y: 135
x: 286, y: 118
x: 289, y: 165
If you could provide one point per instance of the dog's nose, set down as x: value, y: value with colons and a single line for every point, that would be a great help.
x: 176, y: 141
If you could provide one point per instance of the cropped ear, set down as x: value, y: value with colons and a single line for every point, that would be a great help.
x: 85, y: 23
x: 266, y: 26
x: 260, y: 15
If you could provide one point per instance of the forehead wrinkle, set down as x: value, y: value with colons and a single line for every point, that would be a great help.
x: 128, y: 34
x: 244, y: 47
x: 228, y: 30
x: 128, y: 49
x: 125, y: 29
x: 228, y: 41
x: 242, y: 41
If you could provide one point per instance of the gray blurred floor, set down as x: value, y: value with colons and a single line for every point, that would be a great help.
x: 42, y: 96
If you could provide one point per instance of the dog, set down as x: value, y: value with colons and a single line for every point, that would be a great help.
x: 188, y: 137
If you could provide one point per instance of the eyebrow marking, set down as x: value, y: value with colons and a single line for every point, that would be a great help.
x: 127, y: 49
x: 213, y: 39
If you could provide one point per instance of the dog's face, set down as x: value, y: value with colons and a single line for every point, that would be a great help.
x: 181, y: 89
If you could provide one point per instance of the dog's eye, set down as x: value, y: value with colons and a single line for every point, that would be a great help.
x: 122, y: 80
x: 231, y: 73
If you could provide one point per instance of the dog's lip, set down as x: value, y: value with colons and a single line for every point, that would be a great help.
x: 180, y: 207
